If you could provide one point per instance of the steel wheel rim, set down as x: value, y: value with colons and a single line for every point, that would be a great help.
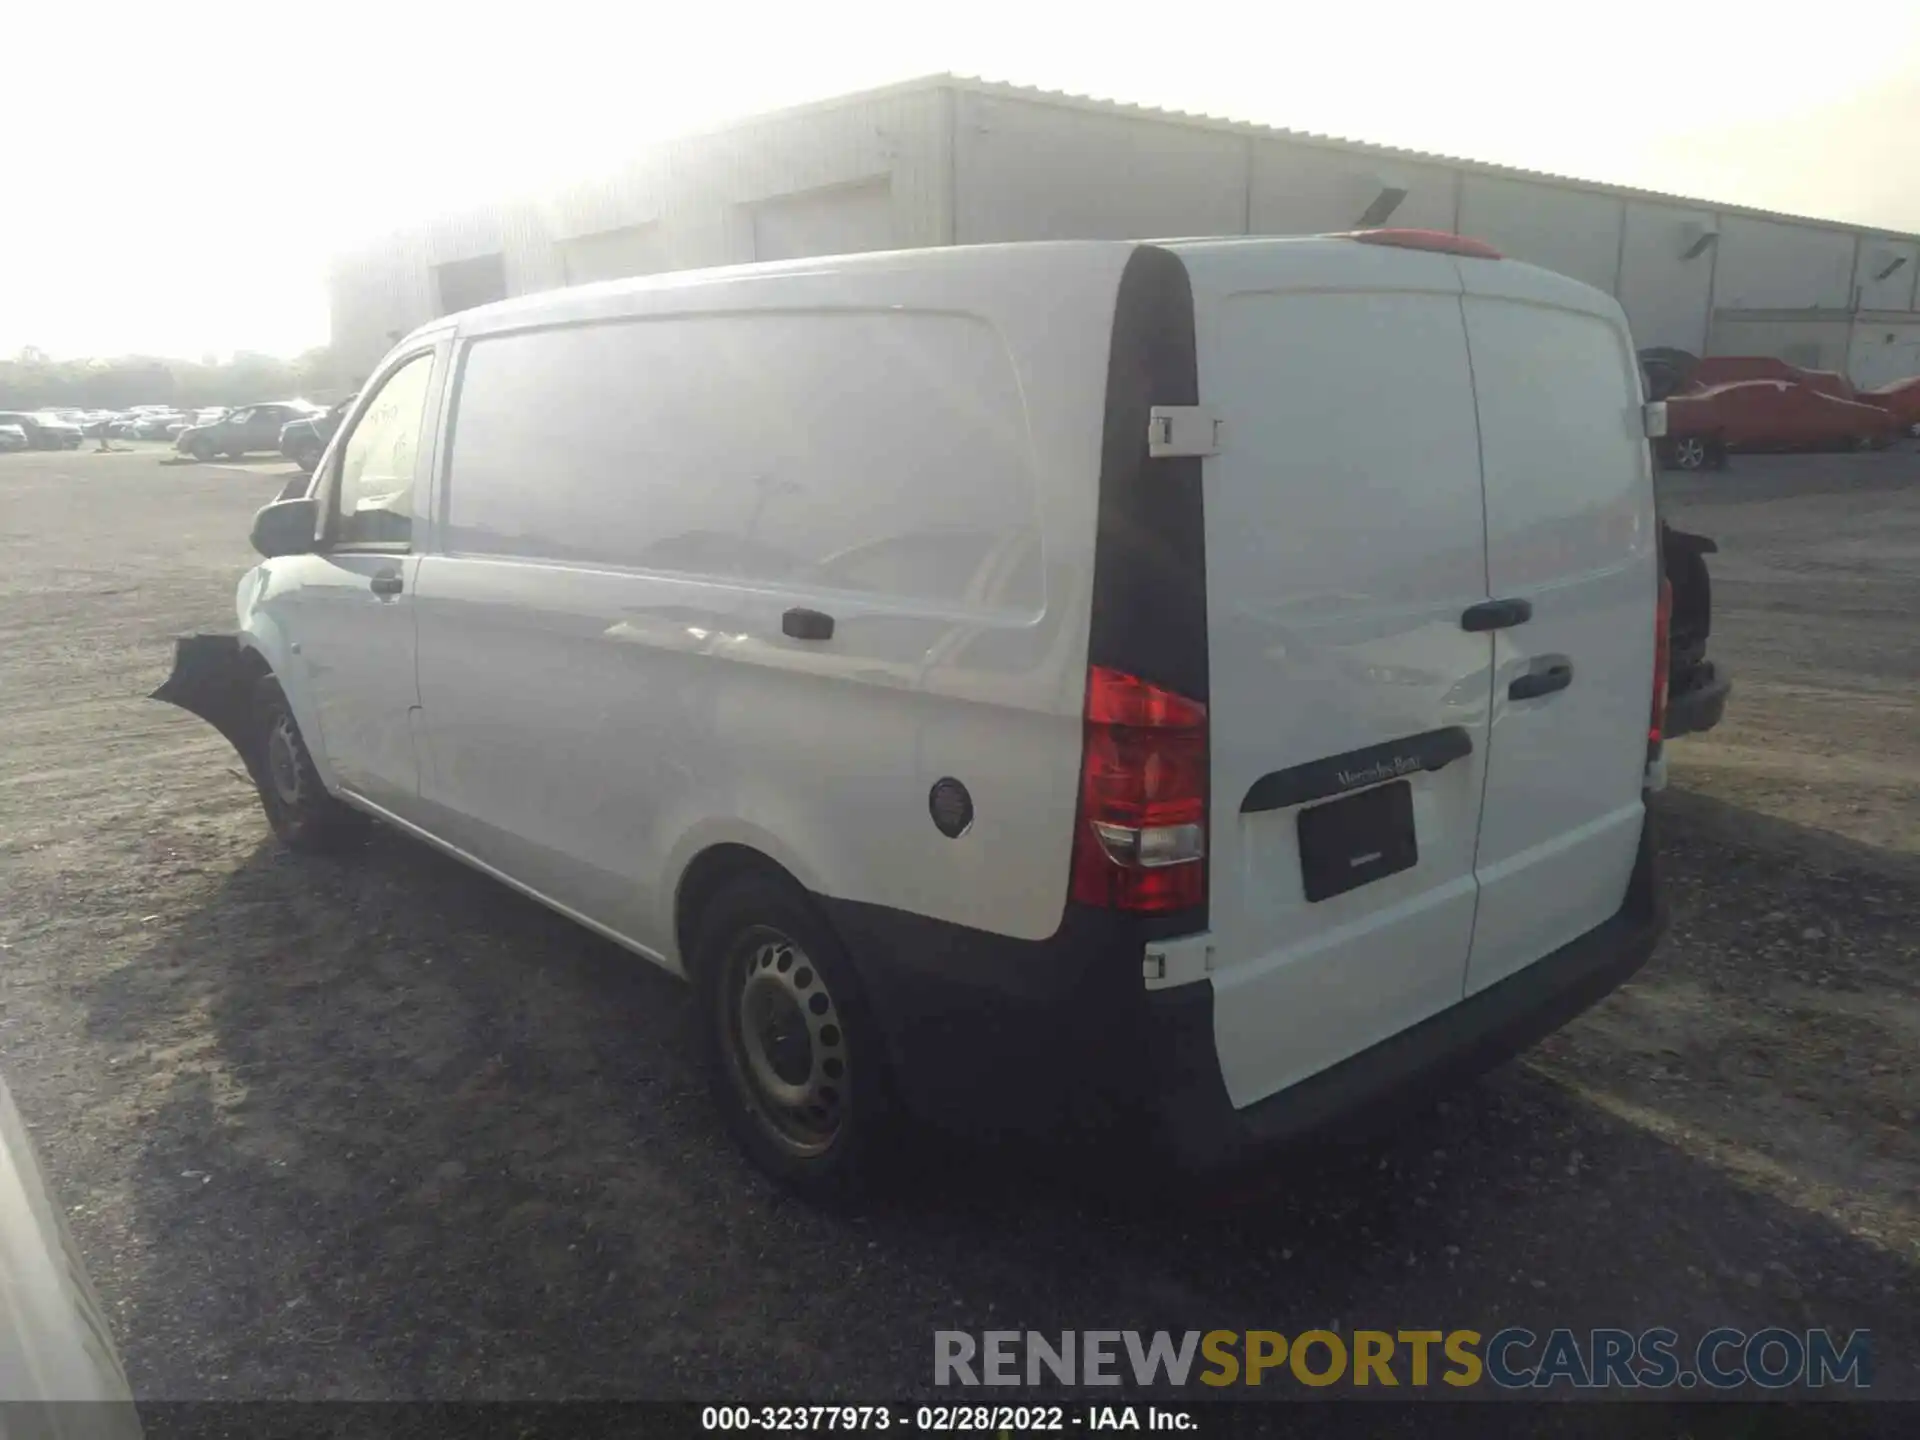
x: 283, y: 761
x: 786, y: 1042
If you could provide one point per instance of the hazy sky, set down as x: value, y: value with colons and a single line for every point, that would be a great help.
x: 179, y: 173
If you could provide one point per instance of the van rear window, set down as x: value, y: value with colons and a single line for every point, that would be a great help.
x: 874, y: 452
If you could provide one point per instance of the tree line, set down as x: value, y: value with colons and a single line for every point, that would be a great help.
x: 33, y: 381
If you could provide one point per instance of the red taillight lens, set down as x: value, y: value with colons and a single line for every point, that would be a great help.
x: 1662, y: 659
x: 1444, y: 241
x: 1140, y: 840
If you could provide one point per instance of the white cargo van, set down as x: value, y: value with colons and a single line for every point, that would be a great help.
x: 1190, y: 690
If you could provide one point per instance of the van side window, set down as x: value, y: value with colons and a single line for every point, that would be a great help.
x: 374, y: 498
x: 878, y: 453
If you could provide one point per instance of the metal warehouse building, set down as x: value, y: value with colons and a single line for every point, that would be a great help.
x: 946, y: 161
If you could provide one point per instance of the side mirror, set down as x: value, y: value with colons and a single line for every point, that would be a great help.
x: 286, y: 527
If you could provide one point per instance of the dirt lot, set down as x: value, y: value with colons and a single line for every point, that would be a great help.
x: 381, y: 1129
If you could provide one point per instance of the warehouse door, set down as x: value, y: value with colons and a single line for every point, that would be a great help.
x: 842, y: 221
x: 613, y: 254
x: 1882, y: 353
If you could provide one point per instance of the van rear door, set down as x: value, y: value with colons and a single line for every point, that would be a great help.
x: 1348, y: 705
x: 1571, y: 530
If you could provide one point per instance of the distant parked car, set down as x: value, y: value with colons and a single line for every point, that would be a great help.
x: 242, y: 431
x: 1767, y: 415
x: 1901, y: 400
x: 304, y: 439
x: 1696, y: 430
x: 43, y: 431
x: 12, y: 437
x: 1719, y: 369
x: 187, y: 420
x: 153, y: 425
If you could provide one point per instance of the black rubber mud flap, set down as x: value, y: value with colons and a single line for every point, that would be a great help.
x: 212, y: 679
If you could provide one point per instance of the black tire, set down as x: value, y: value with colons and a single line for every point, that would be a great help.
x: 795, y: 1061
x: 298, y: 807
x: 199, y: 449
x: 306, y: 457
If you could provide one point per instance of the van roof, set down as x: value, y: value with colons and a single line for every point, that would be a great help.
x: 1381, y: 256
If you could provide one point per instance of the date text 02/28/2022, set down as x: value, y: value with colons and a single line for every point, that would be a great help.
x: 937, y: 1419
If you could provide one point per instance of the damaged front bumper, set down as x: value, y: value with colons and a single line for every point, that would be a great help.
x: 214, y: 677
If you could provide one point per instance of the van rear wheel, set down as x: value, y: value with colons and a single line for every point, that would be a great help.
x: 795, y: 1065
x: 298, y: 807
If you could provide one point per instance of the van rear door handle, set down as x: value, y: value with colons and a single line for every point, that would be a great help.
x: 1557, y: 675
x: 386, y: 583
x: 806, y: 624
x: 1496, y: 615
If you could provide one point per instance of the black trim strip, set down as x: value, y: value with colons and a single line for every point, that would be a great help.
x: 1337, y: 774
x: 1150, y: 555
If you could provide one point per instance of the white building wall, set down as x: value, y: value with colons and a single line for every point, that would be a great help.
x: 1664, y: 291
x: 1304, y: 190
x: 614, y: 254
x: 1817, y: 343
x: 896, y: 143
x: 1884, y: 348
x: 377, y: 293
x: 1771, y: 265
x: 1884, y: 274
x: 1028, y: 171
x: 931, y: 165
x: 845, y: 220
x: 1574, y: 232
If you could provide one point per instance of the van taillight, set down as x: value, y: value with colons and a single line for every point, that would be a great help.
x: 1662, y: 659
x: 1140, y: 839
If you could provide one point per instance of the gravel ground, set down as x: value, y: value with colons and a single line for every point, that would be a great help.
x: 381, y: 1129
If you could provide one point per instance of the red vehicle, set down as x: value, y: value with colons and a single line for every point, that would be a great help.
x: 1719, y: 369
x: 1702, y: 425
x: 1901, y: 400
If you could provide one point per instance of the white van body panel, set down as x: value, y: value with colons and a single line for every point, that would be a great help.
x: 1404, y: 435
x: 259, y: 624
x: 587, y: 718
x: 343, y: 656
x: 1345, y: 537
x: 1571, y: 527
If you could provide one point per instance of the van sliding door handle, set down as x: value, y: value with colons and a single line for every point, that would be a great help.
x: 1557, y: 676
x: 806, y: 624
x: 1496, y: 615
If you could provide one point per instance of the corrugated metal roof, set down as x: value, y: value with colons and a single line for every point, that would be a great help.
x: 1196, y: 120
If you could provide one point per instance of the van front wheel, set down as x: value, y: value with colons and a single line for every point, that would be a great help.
x: 795, y: 1066
x: 298, y: 807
